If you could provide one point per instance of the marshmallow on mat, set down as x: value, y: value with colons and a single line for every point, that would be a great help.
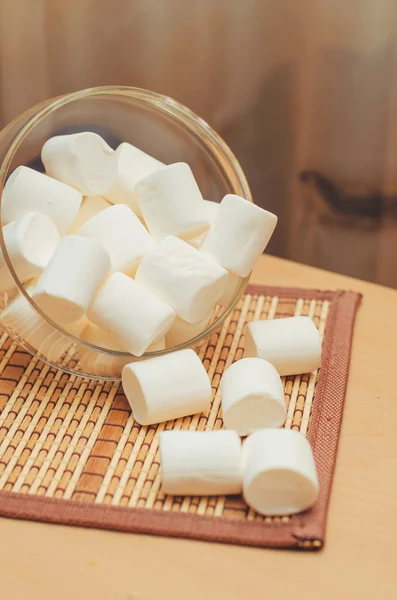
x: 167, y: 387
x: 292, y: 345
x: 239, y: 235
x: 172, y: 204
x: 279, y: 472
x: 71, y: 279
x: 132, y: 315
x: 183, y: 277
x: 30, y: 241
x: 28, y: 190
x: 122, y: 234
x: 82, y: 160
x: 252, y: 396
x: 132, y: 165
x: 198, y: 463
x: 91, y: 206
x: 181, y: 331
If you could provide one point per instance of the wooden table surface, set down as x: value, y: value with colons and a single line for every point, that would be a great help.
x: 47, y: 562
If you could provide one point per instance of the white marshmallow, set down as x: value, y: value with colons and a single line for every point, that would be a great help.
x: 28, y: 190
x: 172, y: 204
x: 21, y: 320
x: 30, y: 241
x: 82, y: 160
x: 292, y: 345
x: 252, y: 396
x: 71, y: 279
x: 157, y: 345
x: 122, y: 234
x: 77, y: 327
x: 97, y: 363
x: 167, y: 387
x: 101, y: 338
x: 239, y: 235
x: 279, y: 472
x: 233, y: 283
x: 132, y: 166
x: 212, y: 210
x: 183, y: 277
x: 91, y: 206
x: 181, y: 331
x: 132, y: 315
x: 200, y: 463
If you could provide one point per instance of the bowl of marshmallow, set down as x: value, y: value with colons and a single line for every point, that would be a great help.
x: 128, y: 234
x: 128, y: 230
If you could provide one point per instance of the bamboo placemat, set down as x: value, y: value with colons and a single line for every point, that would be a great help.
x: 71, y: 453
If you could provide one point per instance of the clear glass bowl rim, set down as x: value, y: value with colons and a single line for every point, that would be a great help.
x: 190, y: 121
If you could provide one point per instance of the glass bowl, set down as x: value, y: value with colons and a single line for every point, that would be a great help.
x: 161, y: 127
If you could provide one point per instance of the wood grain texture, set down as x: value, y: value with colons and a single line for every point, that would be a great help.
x: 359, y: 558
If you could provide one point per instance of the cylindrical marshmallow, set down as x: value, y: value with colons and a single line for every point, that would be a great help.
x: 292, y: 345
x: 122, y: 234
x: 132, y: 315
x: 101, y: 338
x: 172, y: 204
x: 181, y: 331
x: 132, y: 166
x: 201, y: 463
x: 71, y: 279
x: 23, y: 322
x: 28, y: 190
x: 252, y: 396
x: 30, y: 241
x: 233, y: 283
x: 82, y: 160
x: 91, y: 206
x: 279, y: 472
x: 97, y: 363
x: 167, y: 387
x: 212, y: 210
x: 183, y: 277
x: 239, y: 234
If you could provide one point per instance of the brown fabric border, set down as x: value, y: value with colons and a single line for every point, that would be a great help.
x: 302, y: 531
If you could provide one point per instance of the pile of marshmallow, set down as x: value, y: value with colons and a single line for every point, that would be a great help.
x: 122, y: 251
x: 274, y: 468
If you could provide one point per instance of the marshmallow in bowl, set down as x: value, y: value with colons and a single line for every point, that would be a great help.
x: 83, y: 160
x: 292, y: 345
x: 71, y: 279
x: 22, y: 321
x: 132, y: 166
x: 183, y: 277
x: 212, y: 210
x: 132, y: 315
x: 122, y: 234
x: 239, y: 235
x: 181, y: 331
x: 172, y: 204
x: 279, y: 472
x: 91, y: 206
x: 167, y: 387
x: 197, y: 463
x: 252, y: 396
x: 28, y: 190
x: 103, y: 339
x: 30, y: 241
